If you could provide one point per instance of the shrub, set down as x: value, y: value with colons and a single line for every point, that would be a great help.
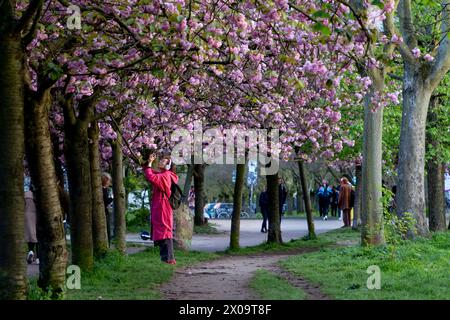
x: 396, y: 227
x: 138, y: 217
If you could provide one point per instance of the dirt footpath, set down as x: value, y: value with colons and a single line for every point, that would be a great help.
x: 228, y: 278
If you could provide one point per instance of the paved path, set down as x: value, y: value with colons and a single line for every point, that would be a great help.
x: 250, y: 235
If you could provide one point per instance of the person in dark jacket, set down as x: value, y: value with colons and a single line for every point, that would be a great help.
x: 264, y: 205
x: 324, y: 193
x: 344, y: 201
x: 334, y: 201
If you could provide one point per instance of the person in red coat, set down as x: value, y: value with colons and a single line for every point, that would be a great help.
x: 344, y: 201
x: 161, y: 211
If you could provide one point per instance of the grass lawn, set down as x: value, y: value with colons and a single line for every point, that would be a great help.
x: 325, y: 239
x: 270, y: 287
x: 413, y: 270
x: 135, y: 276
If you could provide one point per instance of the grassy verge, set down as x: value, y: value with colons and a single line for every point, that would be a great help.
x: 136, y: 276
x: 346, y: 236
x: 270, y: 287
x: 412, y: 270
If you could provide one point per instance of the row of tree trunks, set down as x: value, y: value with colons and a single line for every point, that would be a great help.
x: 12, y: 247
x: 119, y: 196
x: 435, y: 177
x: 99, y: 230
x: 80, y: 185
x: 372, y: 210
x: 199, y: 187
x: 188, y: 182
x: 307, y: 201
x: 411, y: 192
x: 237, y: 206
x: 50, y: 227
x: 358, y: 198
x: 274, y: 232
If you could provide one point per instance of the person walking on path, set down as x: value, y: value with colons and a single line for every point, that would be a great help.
x: 30, y: 227
x: 324, y: 193
x: 264, y: 205
x: 344, y: 201
x: 334, y: 201
x: 161, y: 210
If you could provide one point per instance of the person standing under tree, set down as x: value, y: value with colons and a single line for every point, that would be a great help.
x: 282, y: 195
x: 264, y: 205
x: 334, y: 201
x: 161, y: 210
x: 30, y: 227
x: 344, y: 202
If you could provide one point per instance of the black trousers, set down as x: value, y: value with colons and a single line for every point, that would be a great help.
x: 165, y: 249
x: 265, y: 218
x: 323, y: 207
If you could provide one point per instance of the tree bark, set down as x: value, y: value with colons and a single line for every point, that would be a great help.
x: 199, y: 180
x: 411, y: 194
x: 50, y: 227
x: 372, y: 209
x: 187, y: 183
x: 237, y: 206
x: 307, y: 201
x: 99, y: 233
x: 13, y: 277
x: 274, y: 232
x: 80, y: 186
x: 119, y: 196
x: 436, y: 205
x: 435, y: 177
x: 358, y: 198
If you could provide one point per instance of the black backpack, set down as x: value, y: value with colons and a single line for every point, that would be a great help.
x: 176, y: 196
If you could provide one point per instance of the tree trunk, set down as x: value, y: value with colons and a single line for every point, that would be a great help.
x: 435, y: 177
x: 237, y: 206
x: 99, y: 234
x: 372, y: 209
x: 80, y: 188
x: 50, y: 227
x: 307, y: 200
x: 127, y: 171
x: 187, y: 183
x: 436, y: 205
x: 120, y: 229
x: 411, y: 194
x: 199, y: 180
x: 358, y: 198
x: 274, y: 233
x: 12, y: 247
x: 300, y: 203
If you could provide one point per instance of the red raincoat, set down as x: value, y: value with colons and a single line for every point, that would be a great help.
x: 161, y: 211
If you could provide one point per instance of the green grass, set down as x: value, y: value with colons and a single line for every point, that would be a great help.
x: 413, y: 270
x: 270, y: 287
x: 136, y: 276
x: 322, y: 240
